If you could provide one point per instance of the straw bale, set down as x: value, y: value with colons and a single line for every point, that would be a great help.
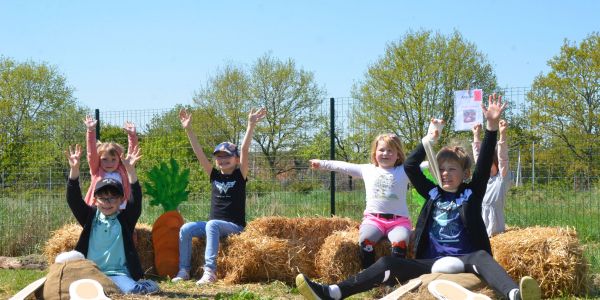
x: 61, y: 240
x: 339, y: 257
x: 308, y: 231
x: 143, y: 243
x: 551, y: 255
x: 254, y: 257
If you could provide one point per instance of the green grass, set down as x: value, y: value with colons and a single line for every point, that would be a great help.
x: 12, y: 281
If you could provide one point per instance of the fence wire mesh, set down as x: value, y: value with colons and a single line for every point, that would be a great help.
x: 544, y: 192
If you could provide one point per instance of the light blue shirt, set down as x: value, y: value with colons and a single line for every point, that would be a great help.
x: 106, y: 247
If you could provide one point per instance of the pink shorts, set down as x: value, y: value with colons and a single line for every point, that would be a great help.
x: 387, y: 225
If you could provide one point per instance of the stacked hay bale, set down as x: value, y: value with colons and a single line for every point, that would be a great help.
x: 143, y: 244
x: 278, y: 248
x: 551, y: 255
x: 339, y: 257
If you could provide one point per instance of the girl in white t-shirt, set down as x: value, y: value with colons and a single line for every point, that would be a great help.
x: 492, y: 207
x: 386, y: 183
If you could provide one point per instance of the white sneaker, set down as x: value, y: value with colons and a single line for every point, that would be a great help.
x: 209, y: 276
x: 449, y: 290
x: 181, y: 275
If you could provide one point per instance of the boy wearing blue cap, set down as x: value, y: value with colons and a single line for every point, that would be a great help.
x: 228, y: 198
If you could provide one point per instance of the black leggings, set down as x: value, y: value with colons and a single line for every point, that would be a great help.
x: 393, y: 270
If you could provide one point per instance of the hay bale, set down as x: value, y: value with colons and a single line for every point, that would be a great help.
x: 551, y: 255
x: 339, y: 257
x: 61, y: 240
x: 254, y: 257
x: 308, y: 231
x: 142, y: 237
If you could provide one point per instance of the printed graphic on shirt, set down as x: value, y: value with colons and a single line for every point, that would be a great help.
x: 224, y: 186
x: 383, y: 187
x: 446, y: 227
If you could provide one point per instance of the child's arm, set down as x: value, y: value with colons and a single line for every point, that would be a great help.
x: 92, y: 151
x: 503, y: 150
x: 476, y: 145
x: 351, y: 169
x: 253, y: 118
x: 412, y: 164
x: 484, y: 163
x: 74, y: 199
x: 132, y: 137
x: 186, y: 122
x: 134, y: 207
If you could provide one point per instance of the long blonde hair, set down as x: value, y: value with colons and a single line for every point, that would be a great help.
x: 392, y: 140
x: 111, y: 148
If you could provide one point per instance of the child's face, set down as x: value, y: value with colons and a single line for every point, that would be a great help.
x: 452, y: 174
x: 385, y: 155
x: 226, y: 162
x: 109, y: 162
x: 108, y: 204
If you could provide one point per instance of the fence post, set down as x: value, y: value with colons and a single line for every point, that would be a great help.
x: 332, y: 153
x: 97, y: 115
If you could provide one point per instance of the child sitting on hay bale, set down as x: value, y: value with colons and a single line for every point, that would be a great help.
x: 386, y: 183
x: 449, y: 224
x: 228, y: 198
x: 107, y: 235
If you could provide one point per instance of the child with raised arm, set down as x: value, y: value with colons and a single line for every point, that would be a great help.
x: 492, y: 207
x: 386, y: 183
x: 107, y: 235
x: 104, y: 159
x: 228, y: 198
x: 449, y: 226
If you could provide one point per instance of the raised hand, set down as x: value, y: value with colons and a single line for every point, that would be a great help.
x: 476, y: 131
x: 185, y: 118
x: 256, y: 115
x: 315, y: 164
x: 73, y: 155
x: 90, y: 123
x: 503, y: 126
x: 129, y: 128
x: 493, y: 111
x: 131, y: 158
x: 435, y: 128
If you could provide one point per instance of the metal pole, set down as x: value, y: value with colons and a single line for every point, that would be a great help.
x: 97, y: 113
x: 332, y: 153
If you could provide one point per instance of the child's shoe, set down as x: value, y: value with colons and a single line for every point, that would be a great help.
x: 312, y: 290
x: 183, y: 274
x: 145, y: 287
x: 529, y: 289
x: 209, y: 276
x: 450, y: 290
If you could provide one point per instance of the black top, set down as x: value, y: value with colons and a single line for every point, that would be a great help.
x: 228, y: 197
x: 127, y: 218
x: 470, y: 210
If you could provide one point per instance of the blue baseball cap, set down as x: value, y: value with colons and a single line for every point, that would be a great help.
x: 228, y: 148
x: 109, y: 184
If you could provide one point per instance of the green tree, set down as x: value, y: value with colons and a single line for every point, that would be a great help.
x: 290, y: 95
x: 566, y: 104
x: 414, y: 81
x: 38, y: 119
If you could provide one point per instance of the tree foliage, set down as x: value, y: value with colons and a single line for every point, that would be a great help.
x: 566, y: 103
x: 290, y: 95
x: 414, y: 81
x: 37, y: 113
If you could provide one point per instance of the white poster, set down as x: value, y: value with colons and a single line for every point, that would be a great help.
x: 467, y: 109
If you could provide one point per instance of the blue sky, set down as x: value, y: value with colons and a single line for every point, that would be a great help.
x: 154, y: 54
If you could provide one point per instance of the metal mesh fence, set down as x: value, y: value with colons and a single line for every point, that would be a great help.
x: 32, y: 199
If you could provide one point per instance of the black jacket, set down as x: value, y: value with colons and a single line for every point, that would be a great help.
x: 127, y: 218
x: 470, y: 210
